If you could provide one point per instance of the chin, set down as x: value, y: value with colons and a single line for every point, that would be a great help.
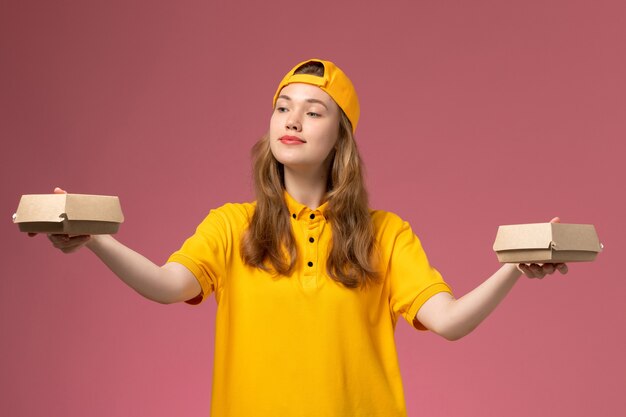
x: 292, y: 163
x: 287, y: 157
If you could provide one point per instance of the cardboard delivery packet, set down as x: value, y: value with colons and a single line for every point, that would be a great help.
x: 72, y: 214
x: 546, y: 243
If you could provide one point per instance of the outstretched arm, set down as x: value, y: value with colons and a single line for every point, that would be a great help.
x: 455, y: 318
x: 167, y: 284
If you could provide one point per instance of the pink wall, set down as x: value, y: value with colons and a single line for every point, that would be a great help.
x: 474, y: 114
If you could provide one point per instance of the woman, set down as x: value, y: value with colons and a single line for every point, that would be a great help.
x: 309, y: 281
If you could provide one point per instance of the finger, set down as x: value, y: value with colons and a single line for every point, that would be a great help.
x: 562, y: 268
x: 79, y: 238
x: 526, y: 270
x: 72, y: 248
x: 59, y: 243
x: 58, y: 190
x: 537, y: 271
x: 70, y: 244
x: 62, y: 241
x: 555, y: 220
x: 77, y: 241
x: 54, y: 238
x: 548, y: 269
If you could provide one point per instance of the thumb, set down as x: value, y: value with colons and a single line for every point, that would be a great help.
x: 555, y: 220
x: 58, y: 190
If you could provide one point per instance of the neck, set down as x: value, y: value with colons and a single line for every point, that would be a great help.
x: 308, y: 188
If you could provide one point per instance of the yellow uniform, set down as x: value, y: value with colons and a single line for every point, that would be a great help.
x: 304, y: 345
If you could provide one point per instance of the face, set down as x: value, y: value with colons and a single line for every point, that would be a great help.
x: 304, y: 127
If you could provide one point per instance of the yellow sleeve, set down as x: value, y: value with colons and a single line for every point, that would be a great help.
x: 412, y: 280
x: 205, y: 253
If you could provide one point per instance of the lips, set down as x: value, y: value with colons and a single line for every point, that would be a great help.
x: 291, y: 140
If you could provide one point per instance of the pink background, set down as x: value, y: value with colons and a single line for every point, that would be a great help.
x: 474, y: 114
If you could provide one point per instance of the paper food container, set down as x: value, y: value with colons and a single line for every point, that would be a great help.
x: 546, y: 243
x: 72, y: 214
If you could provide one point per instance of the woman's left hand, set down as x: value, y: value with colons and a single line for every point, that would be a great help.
x: 541, y: 270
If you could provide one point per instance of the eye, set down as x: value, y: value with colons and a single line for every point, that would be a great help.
x: 313, y: 114
x: 280, y: 109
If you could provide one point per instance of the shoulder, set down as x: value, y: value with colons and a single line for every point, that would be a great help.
x: 395, y: 237
x: 235, y: 210
x: 387, y: 221
x: 389, y: 228
x: 230, y: 215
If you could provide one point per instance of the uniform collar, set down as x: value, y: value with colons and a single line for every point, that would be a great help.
x: 300, y: 209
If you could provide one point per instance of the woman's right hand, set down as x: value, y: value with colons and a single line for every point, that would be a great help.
x: 66, y: 243
x: 168, y: 284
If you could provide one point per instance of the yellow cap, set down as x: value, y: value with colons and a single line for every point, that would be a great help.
x: 334, y: 82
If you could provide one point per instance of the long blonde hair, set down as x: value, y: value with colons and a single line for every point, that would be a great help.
x: 269, y: 242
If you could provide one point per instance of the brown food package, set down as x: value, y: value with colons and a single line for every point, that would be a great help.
x: 547, y: 243
x: 72, y: 214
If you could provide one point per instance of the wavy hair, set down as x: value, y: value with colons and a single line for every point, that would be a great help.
x: 269, y: 243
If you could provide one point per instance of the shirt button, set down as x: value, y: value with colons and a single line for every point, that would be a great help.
x: 312, y: 216
x: 310, y: 263
x: 311, y: 240
x: 293, y: 215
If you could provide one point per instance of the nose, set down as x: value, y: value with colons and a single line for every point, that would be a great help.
x: 293, y: 123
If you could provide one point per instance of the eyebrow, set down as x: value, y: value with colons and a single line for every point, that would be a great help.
x: 308, y: 100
